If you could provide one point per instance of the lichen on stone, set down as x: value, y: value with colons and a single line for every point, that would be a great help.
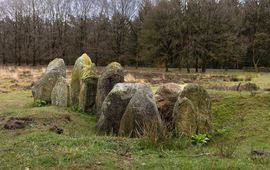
x: 86, y: 59
x: 83, y: 69
x: 88, y: 71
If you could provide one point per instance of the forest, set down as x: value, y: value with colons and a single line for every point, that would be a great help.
x: 200, y: 34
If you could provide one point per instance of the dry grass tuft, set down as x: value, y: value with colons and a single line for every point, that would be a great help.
x: 154, y: 133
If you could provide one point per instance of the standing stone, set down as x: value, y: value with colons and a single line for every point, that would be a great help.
x: 42, y: 89
x: 60, y: 93
x: 141, y: 113
x: 88, y: 95
x: 112, y: 75
x: 185, y: 117
x: 115, y: 105
x: 82, y: 69
x: 192, y: 111
x: 166, y: 97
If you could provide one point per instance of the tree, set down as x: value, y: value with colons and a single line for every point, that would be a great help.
x: 256, y: 24
x: 159, y: 36
x: 173, y: 33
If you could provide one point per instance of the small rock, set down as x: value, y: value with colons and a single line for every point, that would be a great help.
x: 260, y: 153
x: 56, y: 130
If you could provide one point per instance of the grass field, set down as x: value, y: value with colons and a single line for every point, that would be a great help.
x: 243, y: 119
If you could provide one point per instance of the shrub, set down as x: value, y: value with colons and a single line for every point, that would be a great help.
x: 40, y: 103
x: 76, y: 108
x: 200, y: 139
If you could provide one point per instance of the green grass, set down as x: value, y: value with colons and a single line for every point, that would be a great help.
x: 245, y: 118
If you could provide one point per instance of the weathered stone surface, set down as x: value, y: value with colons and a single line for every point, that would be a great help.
x: 82, y: 69
x: 42, y: 89
x: 141, y: 112
x: 60, y: 93
x: 185, y: 117
x: 87, y: 98
x: 166, y: 97
x: 115, y: 105
x: 112, y: 75
x: 192, y: 111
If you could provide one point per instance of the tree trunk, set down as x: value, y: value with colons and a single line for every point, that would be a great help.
x: 188, y: 68
x: 166, y: 65
x: 4, y: 58
x: 255, y: 63
x: 197, y: 64
x: 137, y: 61
x: 203, y: 66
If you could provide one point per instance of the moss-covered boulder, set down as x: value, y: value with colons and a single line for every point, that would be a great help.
x: 192, y: 111
x: 166, y: 97
x: 87, y: 97
x: 42, y: 89
x: 60, y: 93
x: 113, y: 74
x: 115, y: 104
x: 140, y: 113
x: 82, y: 69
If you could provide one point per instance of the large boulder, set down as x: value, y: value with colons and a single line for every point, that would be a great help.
x: 115, y: 104
x: 60, y: 93
x: 87, y: 97
x: 82, y: 69
x: 192, y: 111
x: 112, y: 75
x: 141, y: 113
x: 42, y: 89
x: 166, y: 97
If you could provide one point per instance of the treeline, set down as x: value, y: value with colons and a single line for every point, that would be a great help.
x: 171, y: 33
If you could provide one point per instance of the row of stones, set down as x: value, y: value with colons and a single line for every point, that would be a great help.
x: 53, y: 88
x: 131, y: 108
x: 125, y: 108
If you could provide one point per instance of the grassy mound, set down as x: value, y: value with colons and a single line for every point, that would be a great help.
x: 241, y: 121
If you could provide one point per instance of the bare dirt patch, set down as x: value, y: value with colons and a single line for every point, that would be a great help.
x: 17, y: 123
